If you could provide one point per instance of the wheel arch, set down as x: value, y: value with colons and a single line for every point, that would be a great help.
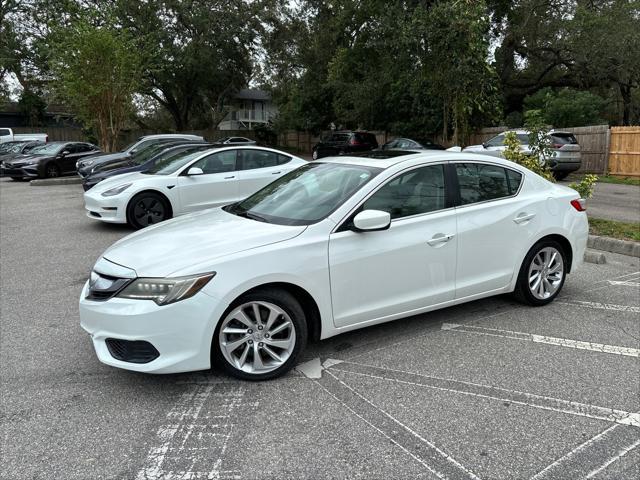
x: 151, y: 190
x: 557, y: 237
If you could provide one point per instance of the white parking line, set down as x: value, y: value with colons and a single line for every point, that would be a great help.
x: 602, y: 306
x: 493, y: 393
x: 561, y: 342
x: 624, y: 283
x: 620, y: 454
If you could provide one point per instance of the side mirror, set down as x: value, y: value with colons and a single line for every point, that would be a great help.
x: 485, y: 145
x: 64, y: 153
x: 194, y: 171
x: 371, y: 220
x: 135, y: 150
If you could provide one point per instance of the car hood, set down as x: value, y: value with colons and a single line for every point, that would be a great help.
x: 21, y: 159
x: 99, y: 158
x: 110, y: 165
x: 188, y: 244
x: 116, y: 180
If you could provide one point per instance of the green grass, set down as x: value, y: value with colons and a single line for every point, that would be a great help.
x: 612, y: 228
x: 621, y: 180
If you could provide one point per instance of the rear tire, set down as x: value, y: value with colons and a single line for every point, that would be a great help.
x: 560, y: 175
x: 542, y: 274
x: 260, y: 347
x: 147, y: 208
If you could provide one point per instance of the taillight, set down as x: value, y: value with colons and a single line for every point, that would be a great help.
x: 580, y: 204
x: 353, y: 141
x: 557, y: 145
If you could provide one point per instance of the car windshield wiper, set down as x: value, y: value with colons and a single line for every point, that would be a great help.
x: 252, y: 216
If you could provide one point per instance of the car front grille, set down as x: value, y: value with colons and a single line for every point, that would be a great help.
x: 132, y: 351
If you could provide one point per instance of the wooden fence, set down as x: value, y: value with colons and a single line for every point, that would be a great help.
x: 624, y: 153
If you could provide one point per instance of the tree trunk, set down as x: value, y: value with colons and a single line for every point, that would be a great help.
x: 625, y: 93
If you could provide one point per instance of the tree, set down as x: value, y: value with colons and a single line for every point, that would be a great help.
x: 98, y: 71
x: 567, y: 107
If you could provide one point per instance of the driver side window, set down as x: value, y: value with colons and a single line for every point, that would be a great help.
x: 420, y: 190
x: 217, y: 163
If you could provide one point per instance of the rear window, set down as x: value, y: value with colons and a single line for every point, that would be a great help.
x: 339, y: 137
x: 564, y: 138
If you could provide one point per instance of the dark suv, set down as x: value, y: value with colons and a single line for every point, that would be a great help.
x: 342, y: 143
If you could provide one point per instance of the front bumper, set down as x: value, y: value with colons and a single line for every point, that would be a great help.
x: 108, y: 209
x: 181, y: 332
x: 18, y: 172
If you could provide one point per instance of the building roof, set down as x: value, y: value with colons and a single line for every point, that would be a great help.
x: 253, y: 94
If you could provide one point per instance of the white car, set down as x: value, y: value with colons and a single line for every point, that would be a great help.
x: 335, y: 245
x: 187, y: 183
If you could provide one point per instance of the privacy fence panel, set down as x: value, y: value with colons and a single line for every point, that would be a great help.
x: 624, y: 153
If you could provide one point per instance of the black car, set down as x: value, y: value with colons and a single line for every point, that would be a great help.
x: 9, y: 150
x: 141, y: 162
x: 84, y: 166
x: 409, y: 144
x: 49, y: 160
x: 341, y: 143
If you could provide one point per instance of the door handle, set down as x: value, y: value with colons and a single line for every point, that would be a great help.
x: 440, y: 239
x: 523, y: 217
x: 276, y: 173
x: 228, y: 178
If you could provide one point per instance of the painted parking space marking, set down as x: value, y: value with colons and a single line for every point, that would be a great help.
x: 592, y: 456
x: 561, y: 342
x: 490, y: 392
x: 601, y: 306
x: 624, y: 283
x: 434, y: 459
x: 189, y: 431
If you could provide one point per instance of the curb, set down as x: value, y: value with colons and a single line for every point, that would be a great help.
x: 613, y: 245
x: 598, y: 258
x: 55, y: 181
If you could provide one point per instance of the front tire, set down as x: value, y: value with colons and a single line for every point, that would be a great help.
x: 147, y: 208
x: 260, y: 336
x: 542, y: 274
x: 51, y: 170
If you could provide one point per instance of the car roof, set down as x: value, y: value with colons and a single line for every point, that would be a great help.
x: 170, y: 135
x: 415, y: 157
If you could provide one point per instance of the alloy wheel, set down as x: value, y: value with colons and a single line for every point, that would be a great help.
x: 148, y: 211
x: 257, y: 337
x: 52, y: 171
x: 546, y: 273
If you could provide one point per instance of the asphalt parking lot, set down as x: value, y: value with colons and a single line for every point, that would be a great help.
x: 491, y: 389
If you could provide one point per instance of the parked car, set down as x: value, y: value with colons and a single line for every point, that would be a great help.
x: 48, y: 160
x: 84, y: 166
x: 566, y: 150
x: 234, y: 141
x: 409, y: 144
x: 179, y: 185
x: 140, y: 161
x: 10, y: 150
x: 342, y: 143
x: 333, y: 246
x: 7, y: 135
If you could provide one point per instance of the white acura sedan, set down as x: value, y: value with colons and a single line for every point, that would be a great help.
x: 333, y: 246
x: 187, y: 183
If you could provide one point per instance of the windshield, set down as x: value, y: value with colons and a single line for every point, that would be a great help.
x: 171, y: 164
x: 147, y: 152
x: 48, y: 149
x: 306, y: 195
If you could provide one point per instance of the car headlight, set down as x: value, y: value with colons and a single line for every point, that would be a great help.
x: 116, y: 190
x: 166, y: 290
x: 87, y: 163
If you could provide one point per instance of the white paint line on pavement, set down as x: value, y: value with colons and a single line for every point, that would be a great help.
x: 624, y: 283
x: 542, y: 473
x: 620, y: 454
x: 448, y: 458
x: 496, y: 393
x: 561, y: 342
x: 602, y: 306
x: 187, y: 426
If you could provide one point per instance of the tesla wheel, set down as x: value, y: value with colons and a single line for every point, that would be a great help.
x: 260, y: 336
x: 51, y: 170
x: 542, y: 274
x: 147, y: 208
x: 314, y: 154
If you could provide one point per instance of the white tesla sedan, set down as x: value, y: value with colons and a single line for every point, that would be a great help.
x: 187, y: 183
x: 333, y: 246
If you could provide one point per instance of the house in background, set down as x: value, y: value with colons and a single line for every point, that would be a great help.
x: 248, y: 108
